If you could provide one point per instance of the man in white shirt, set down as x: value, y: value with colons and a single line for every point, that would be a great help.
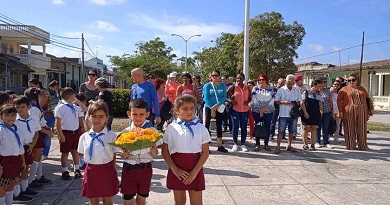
x: 285, y: 97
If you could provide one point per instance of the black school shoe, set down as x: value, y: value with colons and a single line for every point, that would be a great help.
x: 65, y: 176
x: 222, y: 149
x: 22, y: 199
x: 29, y: 192
x: 42, y: 180
x: 77, y: 174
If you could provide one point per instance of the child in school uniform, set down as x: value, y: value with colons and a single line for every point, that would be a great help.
x: 34, y: 94
x: 137, y: 167
x: 185, y: 150
x: 100, y: 178
x: 69, y: 124
x: 11, y: 153
x: 28, y: 128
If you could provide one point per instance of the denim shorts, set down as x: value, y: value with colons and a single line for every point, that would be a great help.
x: 287, y: 121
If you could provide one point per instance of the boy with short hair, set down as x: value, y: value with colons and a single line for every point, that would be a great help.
x: 137, y: 167
x: 69, y: 124
x: 28, y: 128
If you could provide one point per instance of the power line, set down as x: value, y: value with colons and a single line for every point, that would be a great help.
x: 323, y: 54
x: 64, y: 37
x: 34, y: 34
x: 89, y: 47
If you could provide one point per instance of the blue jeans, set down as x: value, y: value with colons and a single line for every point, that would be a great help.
x: 267, y: 119
x: 325, y: 120
x: 239, y: 119
x: 289, y: 122
x: 46, y: 149
x: 273, y: 123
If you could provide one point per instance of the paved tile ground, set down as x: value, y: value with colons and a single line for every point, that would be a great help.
x: 325, y: 176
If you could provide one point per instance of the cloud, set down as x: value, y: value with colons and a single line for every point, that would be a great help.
x: 61, y: 52
x: 335, y: 48
x: 316, y: 48
x: 88, y: 36
x: 104, y: 26
x: 57, y: 2
x: 107, y: 2
x: 166, y: 25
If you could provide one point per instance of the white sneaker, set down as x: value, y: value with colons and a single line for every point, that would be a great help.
x: 336, y: 139
x: 329, y: 146
x: 243, y: 148
x: 317, y: 145
x: 234, y: 148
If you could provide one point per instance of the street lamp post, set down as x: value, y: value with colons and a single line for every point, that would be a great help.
x: 185, y: 40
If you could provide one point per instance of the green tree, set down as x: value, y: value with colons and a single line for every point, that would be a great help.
x: 153, y: 56
x: 273, y: 45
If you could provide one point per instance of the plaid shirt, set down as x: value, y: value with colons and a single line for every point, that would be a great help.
x: 327, y: 103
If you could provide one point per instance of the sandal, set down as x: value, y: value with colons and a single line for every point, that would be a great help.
x: 306, y: 147
x: 277, y: 151
x: 257, y: 148
x: 291, y: 149
x: 267, y: 148
x: 312, y: 147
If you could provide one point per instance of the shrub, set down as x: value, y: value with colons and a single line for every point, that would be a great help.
x: 120, y: 101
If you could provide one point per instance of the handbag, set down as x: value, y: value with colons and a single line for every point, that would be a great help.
x: 295, y: 111
x: 165, y: 112
x: 221, y: 108
x: 260, y: 131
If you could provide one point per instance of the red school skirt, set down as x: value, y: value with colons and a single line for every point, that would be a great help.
x: 100, y: 180
x: 41, y: 140
x: 186, y: 162
x: 12, y: 166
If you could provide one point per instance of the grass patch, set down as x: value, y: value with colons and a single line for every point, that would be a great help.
x: 118, y: 124
x: 378, y: 126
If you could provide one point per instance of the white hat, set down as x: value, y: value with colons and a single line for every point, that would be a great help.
x: 173, y: 74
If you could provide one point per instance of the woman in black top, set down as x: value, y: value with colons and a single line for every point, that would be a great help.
x: 89, y: 88
x: 102, y: 85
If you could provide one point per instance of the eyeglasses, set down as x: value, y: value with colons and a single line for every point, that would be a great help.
x: 352, y: 80
x: 92, y: 74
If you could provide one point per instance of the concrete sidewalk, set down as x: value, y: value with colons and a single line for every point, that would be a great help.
x: 325, y: 176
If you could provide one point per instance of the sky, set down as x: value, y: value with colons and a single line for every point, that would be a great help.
x: 113, y: 27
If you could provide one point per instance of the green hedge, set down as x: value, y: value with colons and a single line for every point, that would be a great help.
x: 121, y: 103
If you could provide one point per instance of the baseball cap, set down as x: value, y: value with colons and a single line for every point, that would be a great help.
x: 173, y: 74
x: 298, y: 77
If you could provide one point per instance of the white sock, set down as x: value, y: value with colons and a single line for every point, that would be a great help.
x: 65, y: 169
x: 39, y: 171
x: 2, y: 200
x: 33, y: 171
x: 24, y: 184
x: 76, y: 167
x: 16, y: 190
x: 9, y: 197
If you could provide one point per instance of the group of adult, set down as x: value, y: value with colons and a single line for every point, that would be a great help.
x: 320, y: 108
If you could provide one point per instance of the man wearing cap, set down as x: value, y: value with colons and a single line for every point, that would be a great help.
x: 171, y: 87
x: 299, y: 83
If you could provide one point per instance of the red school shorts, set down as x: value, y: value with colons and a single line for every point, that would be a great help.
x: 12, y: 166
x: 136, y: 179
x: 71, y: 140
x: 28, y: 158
x: 41, y: 140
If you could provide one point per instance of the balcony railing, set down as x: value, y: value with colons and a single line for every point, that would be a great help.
x: 34, y: 61
x: 30, y: 31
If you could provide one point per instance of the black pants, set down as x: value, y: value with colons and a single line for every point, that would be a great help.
x: 227, y: 120
x: 219, y: 119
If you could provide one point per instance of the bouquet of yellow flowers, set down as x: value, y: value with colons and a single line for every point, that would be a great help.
x: 137, y: 138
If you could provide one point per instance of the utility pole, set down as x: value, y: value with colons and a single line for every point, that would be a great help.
x: 82, y: 56
x: 361, y: 62
x: 339, y: 57
x: 246, y: 40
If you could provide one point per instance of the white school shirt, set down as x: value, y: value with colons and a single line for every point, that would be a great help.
x: 38, y: 114
x: 285, y: 94
x: 142, y: 155
x: 100, y: 154
x: 22, y: 128
x: 69, y: 121
x: 8, y: 144
x: 180, y: 139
